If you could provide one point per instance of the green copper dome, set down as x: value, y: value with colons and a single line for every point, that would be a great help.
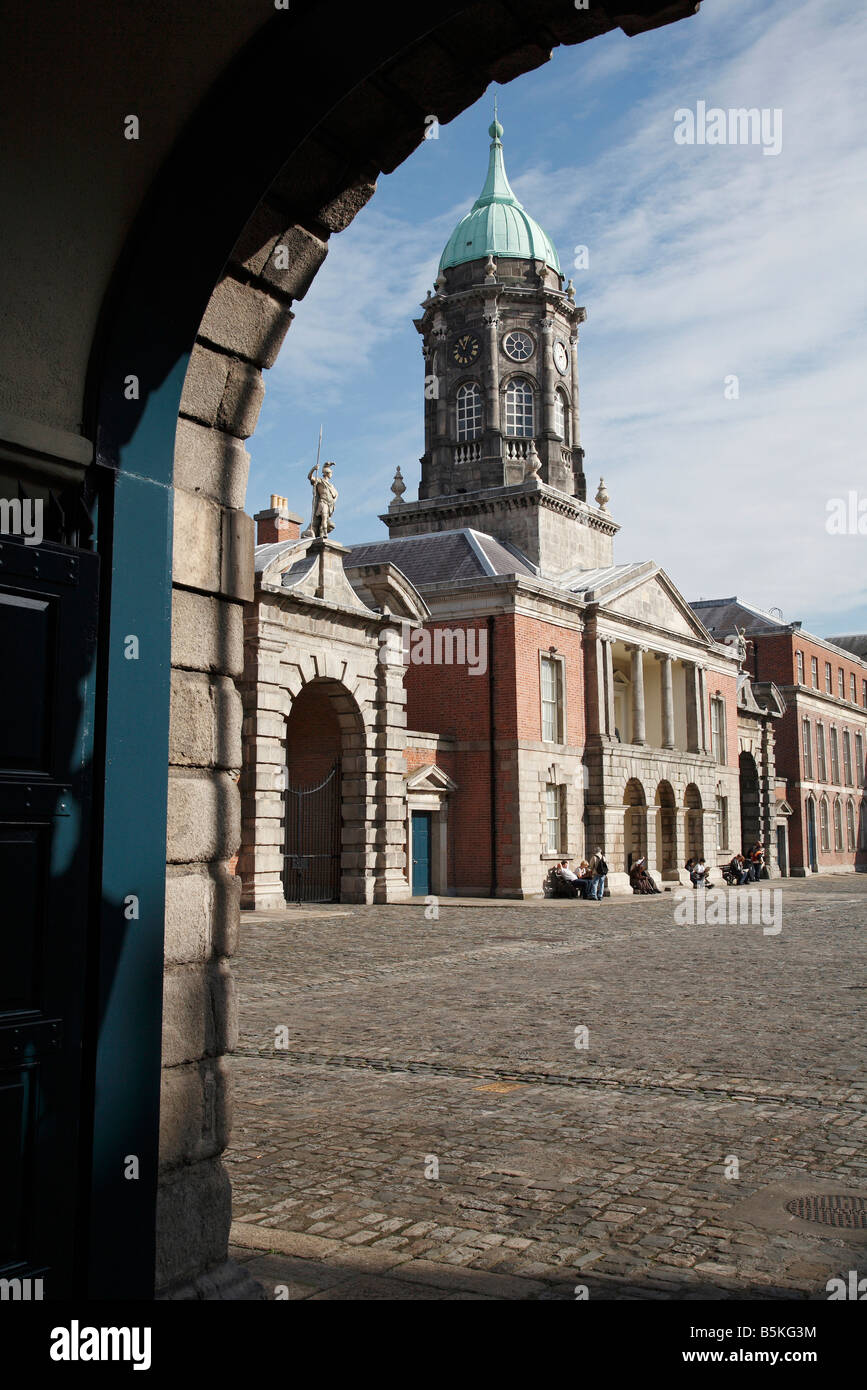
x: 497, y: 224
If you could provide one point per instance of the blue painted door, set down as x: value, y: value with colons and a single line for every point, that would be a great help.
x: 421, y: 837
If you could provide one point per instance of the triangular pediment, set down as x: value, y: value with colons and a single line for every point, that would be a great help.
x: 644, y: 594
x: 429, y: 778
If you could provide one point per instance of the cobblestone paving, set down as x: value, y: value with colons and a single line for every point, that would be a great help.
x: 449, y: 1048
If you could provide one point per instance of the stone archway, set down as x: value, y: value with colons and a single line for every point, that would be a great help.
x: 634, y: 823
x: 750, y: 804
x: 666, y: 831
x: 318, y: 729
x: 694, y: 822
x: 369, y: 115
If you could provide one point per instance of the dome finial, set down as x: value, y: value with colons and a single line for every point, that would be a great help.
x: 495, y: 130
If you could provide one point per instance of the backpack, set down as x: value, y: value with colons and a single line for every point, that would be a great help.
x: 602, y: 866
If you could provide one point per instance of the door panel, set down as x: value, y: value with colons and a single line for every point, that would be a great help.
x: 421, y: 838
x: 48, y: 623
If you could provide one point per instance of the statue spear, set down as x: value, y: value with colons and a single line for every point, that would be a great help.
x: 318, y: 450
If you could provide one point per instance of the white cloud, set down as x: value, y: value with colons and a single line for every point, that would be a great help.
x: 716, y: 260
x: 704, y: 261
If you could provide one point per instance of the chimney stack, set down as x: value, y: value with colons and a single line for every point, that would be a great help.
x: 277, y: 523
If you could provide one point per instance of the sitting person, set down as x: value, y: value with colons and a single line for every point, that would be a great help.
x: 584, y: 879
x: 698, y: 872
x: 739, y: 870
x: 566, y: 880
x: 639, y: 879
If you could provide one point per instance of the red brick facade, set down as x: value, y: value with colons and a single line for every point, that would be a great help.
x: 836, y: 788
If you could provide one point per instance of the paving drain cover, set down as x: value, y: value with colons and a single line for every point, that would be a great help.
x: 849, y: 1212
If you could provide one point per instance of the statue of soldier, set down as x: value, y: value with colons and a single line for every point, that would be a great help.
x: 324, y: 498
x: 740, y: 645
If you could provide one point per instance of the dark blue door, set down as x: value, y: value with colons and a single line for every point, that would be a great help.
x: 421, y: 853
x: 48, y: 624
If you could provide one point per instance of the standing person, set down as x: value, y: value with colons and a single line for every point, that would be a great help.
x: 598, y: 875
x: 757, y: 861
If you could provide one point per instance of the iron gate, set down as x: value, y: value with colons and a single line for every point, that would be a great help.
x: 312, y: 858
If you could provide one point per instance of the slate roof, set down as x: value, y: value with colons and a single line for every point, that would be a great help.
x: 723, y: 615
x: 584, y: 581
x: 854, y: 642
x: 440, y: 557
x: 264, y: 554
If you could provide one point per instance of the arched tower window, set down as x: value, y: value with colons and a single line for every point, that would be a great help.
x: 561, y: 416
x: 519, y: 409
x: 469, y: 409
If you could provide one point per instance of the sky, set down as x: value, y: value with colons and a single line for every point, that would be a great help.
x: 706, y: 262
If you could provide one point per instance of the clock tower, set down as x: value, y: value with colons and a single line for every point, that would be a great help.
x: 500, y: 342
x: 500, y: 339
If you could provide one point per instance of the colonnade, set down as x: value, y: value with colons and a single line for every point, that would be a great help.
x: 695, y: 678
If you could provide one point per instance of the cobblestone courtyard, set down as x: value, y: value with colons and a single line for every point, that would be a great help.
x: 432, y: 1131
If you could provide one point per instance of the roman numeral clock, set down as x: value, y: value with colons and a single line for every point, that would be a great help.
x: 466, y: 349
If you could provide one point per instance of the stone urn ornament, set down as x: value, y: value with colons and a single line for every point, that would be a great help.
x: 602, y: 495
x: 398, y: 487
x: 534, y: 463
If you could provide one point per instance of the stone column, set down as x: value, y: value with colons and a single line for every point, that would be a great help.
x: 439, y: 343
x: 600, y: 709
x: 387, y: 876
x: 681, y: 830
x: 704, y: 716
x: 667, y: 700
x: 576, y: 427
x: 693, y: 708
x: 549, y: 447
x: 492, y: 372
x: 639, y: 733
x: 609, y: 685
x: 578, y: 479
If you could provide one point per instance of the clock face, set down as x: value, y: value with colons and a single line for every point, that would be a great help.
x: 466, y: 349
x: 518, y: 346
x: 561, y: 358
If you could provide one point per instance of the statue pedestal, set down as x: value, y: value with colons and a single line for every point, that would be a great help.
x: 329, y: 555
